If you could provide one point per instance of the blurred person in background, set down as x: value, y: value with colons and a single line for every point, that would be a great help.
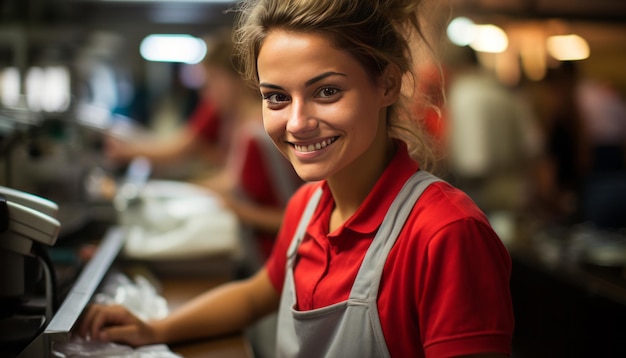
x: 491, y: 136
x: 204, y: 135
x: 559, y: 172
x: 253, y: 179
x: 603, y: 113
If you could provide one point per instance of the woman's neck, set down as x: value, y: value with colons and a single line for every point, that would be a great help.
x: 351, y: 186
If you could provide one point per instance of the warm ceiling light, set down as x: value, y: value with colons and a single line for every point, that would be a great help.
x: 568, y: 47
x: 173, y: 48
x: 461, y: 31
x: 490, y: 39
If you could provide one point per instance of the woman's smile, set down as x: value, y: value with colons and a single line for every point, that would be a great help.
x: 325, y: 116
x: 312, y: 149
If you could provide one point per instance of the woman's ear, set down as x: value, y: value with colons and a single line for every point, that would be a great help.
x: 392, y: 83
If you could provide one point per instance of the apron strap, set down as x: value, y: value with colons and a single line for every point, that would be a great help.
x: 368, y: 278
x: 304, y: 223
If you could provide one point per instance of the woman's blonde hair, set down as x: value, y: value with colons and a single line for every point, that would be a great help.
x: 220, y: 50
x: 377, y: 33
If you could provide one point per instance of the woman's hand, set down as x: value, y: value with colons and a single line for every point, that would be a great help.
x: 116, y: 324
x: 118, y: 150
x: 223, y: 310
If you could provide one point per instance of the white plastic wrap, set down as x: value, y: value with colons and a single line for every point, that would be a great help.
x: 79, y: 347
x: 138, y: 296
x: 179, y: 221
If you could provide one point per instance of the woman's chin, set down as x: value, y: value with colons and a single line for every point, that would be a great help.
x: 310, y: 175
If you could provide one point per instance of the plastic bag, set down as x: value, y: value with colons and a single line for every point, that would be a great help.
x: 79, y: 347
x: 175, y: 220
x: 138, y: 296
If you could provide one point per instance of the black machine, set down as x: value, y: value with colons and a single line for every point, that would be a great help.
x: 28, y: 224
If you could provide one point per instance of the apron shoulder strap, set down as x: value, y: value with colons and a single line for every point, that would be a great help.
x: 304, y: 222
x: 368, y: 278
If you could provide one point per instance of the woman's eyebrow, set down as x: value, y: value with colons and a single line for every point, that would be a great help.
x: 322, y: 76
x: 308, y: 83
x: 270, y: 86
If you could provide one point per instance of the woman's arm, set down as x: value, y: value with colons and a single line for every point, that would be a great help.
x: 223, y: 310
x: 265, y: 218
x: 158, y: 150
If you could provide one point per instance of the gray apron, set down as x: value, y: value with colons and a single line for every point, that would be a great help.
x: 350, y: 328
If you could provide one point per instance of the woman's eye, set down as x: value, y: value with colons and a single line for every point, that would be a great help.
x: 275, y: 98
x: 327, y: 92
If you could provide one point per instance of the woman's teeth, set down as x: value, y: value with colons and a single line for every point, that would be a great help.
x: 314, y: 147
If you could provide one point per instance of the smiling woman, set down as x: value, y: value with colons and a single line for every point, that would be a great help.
x: 331, y: 74
x: 345, y: 29
x: 328, y: 114
x: 376, y: 257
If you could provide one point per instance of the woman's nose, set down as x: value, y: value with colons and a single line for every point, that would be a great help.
x: 300, y: 119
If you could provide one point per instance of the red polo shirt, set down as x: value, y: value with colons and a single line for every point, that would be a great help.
x: 445, y: 286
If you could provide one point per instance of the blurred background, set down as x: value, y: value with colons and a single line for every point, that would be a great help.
x: 529, y: 115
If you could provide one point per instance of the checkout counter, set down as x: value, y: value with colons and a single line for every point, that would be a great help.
x: 176, y: 291
x: 174, y: 287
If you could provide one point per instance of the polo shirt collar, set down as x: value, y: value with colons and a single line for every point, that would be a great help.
x: 367, y: 219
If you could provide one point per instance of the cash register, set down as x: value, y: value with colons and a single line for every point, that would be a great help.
x: 28, y: 223
x: 31, y: 322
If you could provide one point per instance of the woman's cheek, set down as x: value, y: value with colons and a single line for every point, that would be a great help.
x: 272, y: 126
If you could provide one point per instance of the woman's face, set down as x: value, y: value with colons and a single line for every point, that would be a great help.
x: 321, y: 108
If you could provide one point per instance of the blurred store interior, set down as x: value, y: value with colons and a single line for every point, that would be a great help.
x: 532, y: 127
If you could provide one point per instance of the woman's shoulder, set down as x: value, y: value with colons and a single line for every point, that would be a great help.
x: 446, y: 221
x: 442, y: 205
